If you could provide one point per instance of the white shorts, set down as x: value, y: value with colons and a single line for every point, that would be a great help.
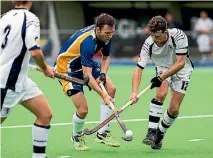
x: 11, y: 98
x: 204, y: 43
x: 178, y: 82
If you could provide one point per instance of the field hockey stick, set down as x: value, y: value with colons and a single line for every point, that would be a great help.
x: 63, y: 77
x: 111, y: 117
x: 117, y: 116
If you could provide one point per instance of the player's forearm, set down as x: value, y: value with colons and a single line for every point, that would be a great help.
x: 136, y: 79
x: 105, y: 64
x: 87, y: 71
x: 94, y: 85
x: 38, y: 57
x: 173, y: 70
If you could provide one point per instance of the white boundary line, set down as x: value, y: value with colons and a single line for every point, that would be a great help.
x: 194, y: 140
x: 96, y: 122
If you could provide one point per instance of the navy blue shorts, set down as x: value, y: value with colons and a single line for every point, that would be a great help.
x: 70, y: 88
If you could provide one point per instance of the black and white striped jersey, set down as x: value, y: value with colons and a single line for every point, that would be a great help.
x: 20, y: 32
x: 164, y: 56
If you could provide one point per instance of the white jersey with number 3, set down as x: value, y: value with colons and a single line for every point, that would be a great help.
x: 164, y: 56
x: 19, y: 31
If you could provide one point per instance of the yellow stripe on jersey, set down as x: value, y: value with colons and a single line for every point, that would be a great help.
x: 72, y: 53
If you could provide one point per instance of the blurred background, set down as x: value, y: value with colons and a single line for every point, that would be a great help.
x: 60, y: 19
x: 189, y: 138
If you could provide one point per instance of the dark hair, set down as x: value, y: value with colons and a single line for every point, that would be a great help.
x: 157, y: 23
x: 105, y: 19
x: 17, y: 3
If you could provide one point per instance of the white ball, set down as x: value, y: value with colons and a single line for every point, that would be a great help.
x: 129, y: 133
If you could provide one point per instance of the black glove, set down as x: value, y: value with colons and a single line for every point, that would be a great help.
x: 156, y: 82
x: 103, y: 78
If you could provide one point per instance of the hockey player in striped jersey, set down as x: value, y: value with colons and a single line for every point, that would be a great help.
x: 20, y: 30
x: 168, y: 49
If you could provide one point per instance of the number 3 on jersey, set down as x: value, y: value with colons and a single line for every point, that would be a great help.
x: 6, y: 31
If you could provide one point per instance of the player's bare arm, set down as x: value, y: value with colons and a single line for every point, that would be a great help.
x: 136, y: 79
x: 135, y: 83
x: 104, y: 67
x: 105, y: 63
x: 137, y: 74
x: 94, y: 85
x: 179, y: 64
x: 38, y: 57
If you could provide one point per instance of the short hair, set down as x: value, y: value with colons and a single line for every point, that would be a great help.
x: 203, y: 11
x: 105, y: 19
x: 17, y: 3
x: 157, y: 23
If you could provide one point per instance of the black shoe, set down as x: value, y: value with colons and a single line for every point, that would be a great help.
x: 158, y: 140
x: 149, y: 139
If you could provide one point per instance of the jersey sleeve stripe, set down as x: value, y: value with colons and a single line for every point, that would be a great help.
x: 179, y: 39
x: 146, y: 49
x: 147, y: 44
x: 36, y: 21
x: 34, y: 25
x: 178, y: 33
x: 34, y: 47
x: 184, y: 47
x: 181, y: 36
x: 33, y: 22
x: 181, y: 53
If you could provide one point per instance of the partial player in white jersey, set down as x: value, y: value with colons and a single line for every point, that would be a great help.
x: 19, y: 30
x: 168, y: 49
x: 204, y: 28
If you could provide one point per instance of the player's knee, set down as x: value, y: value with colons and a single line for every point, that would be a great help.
x: 161, y: 96
x: 50, y: 115
x: 174, y: 110
x: 45, y: 117
x: 82, y: 112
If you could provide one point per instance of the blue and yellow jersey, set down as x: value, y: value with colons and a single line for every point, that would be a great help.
x: 79, y: 49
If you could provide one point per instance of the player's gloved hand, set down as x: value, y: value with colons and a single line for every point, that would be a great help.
x: 103, y: 78
x: 134, y: 97
x: 49, y: 72
x: 156, y: 82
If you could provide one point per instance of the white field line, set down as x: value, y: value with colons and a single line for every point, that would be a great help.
x: 194, y: 140
x: 96, y: 122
